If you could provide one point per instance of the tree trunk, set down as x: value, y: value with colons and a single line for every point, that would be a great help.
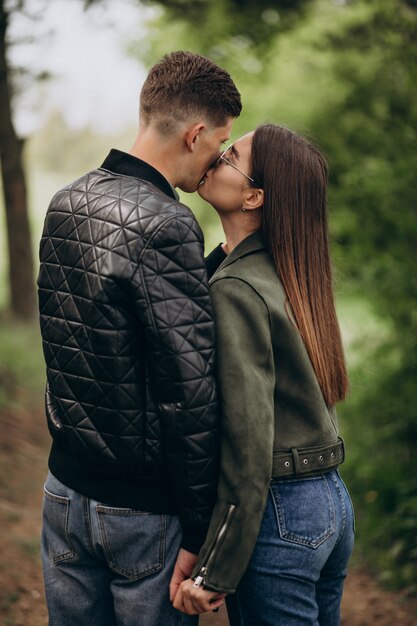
x: 21, y: 269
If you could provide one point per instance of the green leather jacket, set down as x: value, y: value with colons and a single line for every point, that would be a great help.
x: 272, y: 408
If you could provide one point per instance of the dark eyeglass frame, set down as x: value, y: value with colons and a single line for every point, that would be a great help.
x: 223, y: 159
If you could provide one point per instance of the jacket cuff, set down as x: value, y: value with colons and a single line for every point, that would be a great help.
x: 192, y: 540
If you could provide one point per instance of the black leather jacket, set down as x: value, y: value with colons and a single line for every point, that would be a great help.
x: 128, y: 339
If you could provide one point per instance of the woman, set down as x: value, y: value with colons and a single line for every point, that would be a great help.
x: 281, y: 533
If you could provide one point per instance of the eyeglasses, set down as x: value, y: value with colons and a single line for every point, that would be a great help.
x: 223, y: 159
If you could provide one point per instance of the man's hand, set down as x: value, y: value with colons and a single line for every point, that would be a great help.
x: 195, y: 600
x: 182, y: 570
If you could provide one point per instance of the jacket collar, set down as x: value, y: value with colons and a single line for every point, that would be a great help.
x: 126, y: 164
x: 252, y: 243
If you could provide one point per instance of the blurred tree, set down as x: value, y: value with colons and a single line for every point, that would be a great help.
x: 21, y: 270
x: 371, y: 139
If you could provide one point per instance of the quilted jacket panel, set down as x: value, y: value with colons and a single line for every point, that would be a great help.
x: 128, y: 335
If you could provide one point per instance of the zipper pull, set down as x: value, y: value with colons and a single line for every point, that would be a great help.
x: 199, y: 579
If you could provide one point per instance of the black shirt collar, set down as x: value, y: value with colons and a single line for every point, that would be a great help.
x: 126, y: 164
x: 215, y: 259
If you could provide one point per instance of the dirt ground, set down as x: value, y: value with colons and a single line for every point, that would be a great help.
x: 24, y: 443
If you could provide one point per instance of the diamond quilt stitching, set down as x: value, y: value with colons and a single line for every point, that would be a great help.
x: 128, y: 333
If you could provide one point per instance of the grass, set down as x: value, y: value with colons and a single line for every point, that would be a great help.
x: 21, y: 361
x: 30, y: 547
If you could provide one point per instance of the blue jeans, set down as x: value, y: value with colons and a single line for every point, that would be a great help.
x: 107, y: 566
x: 297, y: 571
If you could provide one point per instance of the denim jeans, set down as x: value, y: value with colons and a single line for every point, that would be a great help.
x: 107, y: 566
x: 297, y: 570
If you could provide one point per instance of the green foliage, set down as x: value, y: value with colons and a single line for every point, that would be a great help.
x: 216, y: 21
x: 380, y: 425
x: 373, y: 157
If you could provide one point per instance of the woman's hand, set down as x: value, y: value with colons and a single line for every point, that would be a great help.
x: 194, y: 600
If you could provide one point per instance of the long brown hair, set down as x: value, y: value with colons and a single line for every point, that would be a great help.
x: 293, y: 174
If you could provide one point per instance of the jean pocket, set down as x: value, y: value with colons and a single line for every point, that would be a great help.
x: 55, y: 526
x: 133, y: 541
x: 305, y: 510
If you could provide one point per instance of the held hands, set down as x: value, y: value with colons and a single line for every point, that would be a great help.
x: 193, y: 600
x: 182, y: 570
x: 184, y: 595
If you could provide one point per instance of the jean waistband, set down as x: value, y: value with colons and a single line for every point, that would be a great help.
x: 306, y: 461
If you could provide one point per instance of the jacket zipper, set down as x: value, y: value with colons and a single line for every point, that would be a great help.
x: 222, y: 531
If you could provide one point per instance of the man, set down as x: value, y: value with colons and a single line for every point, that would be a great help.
x: 128, y: 340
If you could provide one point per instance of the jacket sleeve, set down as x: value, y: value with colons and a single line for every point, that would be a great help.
x: 246, y: 379
x: 173, y: 301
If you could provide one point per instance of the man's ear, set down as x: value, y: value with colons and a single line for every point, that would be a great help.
x: 252, y: 198
x: 192, y: 135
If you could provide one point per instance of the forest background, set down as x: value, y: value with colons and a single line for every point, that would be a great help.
x: 344, y: 73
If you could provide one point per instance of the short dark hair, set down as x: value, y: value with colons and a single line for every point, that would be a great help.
x: 184, y: 84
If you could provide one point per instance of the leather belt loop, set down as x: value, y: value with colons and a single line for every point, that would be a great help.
x: 294, y: 453
x: 341, y: 452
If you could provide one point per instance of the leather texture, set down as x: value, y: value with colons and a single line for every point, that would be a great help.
x: 128, y: 335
